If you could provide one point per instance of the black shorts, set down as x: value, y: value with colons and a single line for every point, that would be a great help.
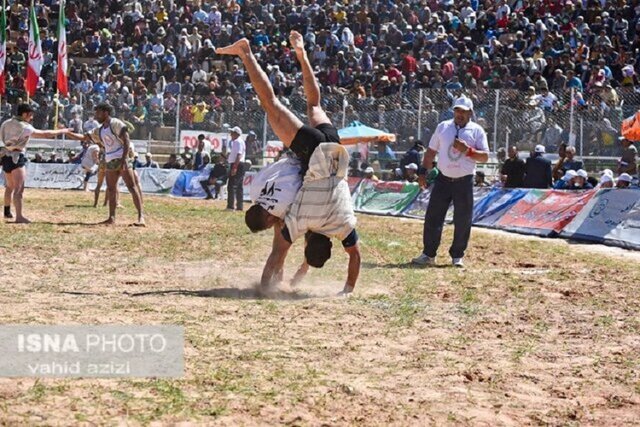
x: 308, y: 139
x: 8, y: 166
x: 350, y: 241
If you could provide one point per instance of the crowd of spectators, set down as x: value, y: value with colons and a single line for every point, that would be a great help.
x: 155, y: 59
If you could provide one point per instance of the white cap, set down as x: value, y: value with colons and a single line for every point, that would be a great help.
x: 236, y: 129
x: 540, y: 149
x: 582, y: 173
x: 412, y: 166
x: 368, y: 170
x: 463, y: 103
x: 607, y: 172
x: 625, y: 177
x: 606, y: 178
x: 569, y: 175
x: 398, y: 171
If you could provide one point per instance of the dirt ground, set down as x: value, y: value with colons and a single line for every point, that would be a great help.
x: 532, y: 332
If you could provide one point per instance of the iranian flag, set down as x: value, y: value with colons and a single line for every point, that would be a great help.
x: 63, y: 83
x: 35, y: 61
x: 3, y: 47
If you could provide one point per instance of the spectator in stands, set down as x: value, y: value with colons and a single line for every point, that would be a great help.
x: 90, y: 124
x: 569, y: 162
x: 370, y: 174
x: 149, y: 162
x: 513, y: 170
x: 53, y: 158
x: 411, y: 172
x: 606, y: 181
x: 480, y: 180
x: 172, y: 163
x: 538, y: 170
x: 628, y: 161
x: 581, y: 181
x: 624, y: 181
x: 567, y: 182
x: 38, y: 158
x: 413, y: 155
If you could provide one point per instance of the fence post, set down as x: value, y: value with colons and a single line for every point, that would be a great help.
x: 420, y: 115
x: 178, y: 109
x: 344, y: 111
x: 571, y: 112
x: 495, y: 122
x: 581, y: 136
x: 264, y: 133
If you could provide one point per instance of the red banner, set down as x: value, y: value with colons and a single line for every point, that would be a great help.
x: 545, y: 213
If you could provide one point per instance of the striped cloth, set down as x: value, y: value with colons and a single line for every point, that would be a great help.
x: 323, y: 204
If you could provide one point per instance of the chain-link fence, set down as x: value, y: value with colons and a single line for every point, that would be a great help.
x: 510, y: 117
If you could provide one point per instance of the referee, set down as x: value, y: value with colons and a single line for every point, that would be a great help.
x: 459, y: 144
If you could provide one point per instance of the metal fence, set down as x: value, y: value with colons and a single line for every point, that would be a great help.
x: 590, y: 122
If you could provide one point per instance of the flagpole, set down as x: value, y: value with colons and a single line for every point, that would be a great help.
x: 56, y: 98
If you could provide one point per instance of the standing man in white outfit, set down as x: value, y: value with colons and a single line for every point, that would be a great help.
x: 236, y: 175
x: 459, y: 144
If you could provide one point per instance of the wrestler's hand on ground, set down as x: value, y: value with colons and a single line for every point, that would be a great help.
x: 347, y: 290
x: 296, y: 41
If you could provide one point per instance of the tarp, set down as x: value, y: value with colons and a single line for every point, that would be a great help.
x: 490, y: 208
x: 385, y: 198
x: 418, y: 208
x: 611, y: 217
x: 357, y: 132
x: 187, y: 184
x: 544, y: 212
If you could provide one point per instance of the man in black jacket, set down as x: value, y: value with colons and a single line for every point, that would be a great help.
x: 538, y: 170
x: 513, y: 170
x: 217, y: 178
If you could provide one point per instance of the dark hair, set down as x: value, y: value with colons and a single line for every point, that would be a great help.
x: 24, y: 108
x: 103, y: 106
x: 256, y: 218
x: 201, y: 136
x: 318, y: 249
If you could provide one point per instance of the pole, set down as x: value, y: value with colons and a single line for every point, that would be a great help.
x: 571, y: 117
x: 55, y: 99
x: 420, y: 115
x: 495, y: 122
x: 178, y: 122
x: 344, y: 111
x: 581, y: 136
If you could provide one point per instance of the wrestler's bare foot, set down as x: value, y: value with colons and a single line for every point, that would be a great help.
x: 140, y: 222
x: 23, y: 220
x: 297, y: 42
x: 110, y: 221
x: 239, y: 48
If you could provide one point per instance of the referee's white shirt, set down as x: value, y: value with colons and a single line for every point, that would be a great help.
x: 451, y: 162
x: 238, y: 148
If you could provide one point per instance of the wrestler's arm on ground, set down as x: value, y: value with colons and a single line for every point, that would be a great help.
x: 302, y: 271
x: 354, y: 268
x: 276, y: 259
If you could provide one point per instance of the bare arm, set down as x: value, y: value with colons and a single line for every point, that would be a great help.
x: 354, y: 268
x: 78, y: 136
x: 302, y: 271
x: 428, y: 159
x: 124, y: 135
x: 275, y: 262
x: 49, y: 133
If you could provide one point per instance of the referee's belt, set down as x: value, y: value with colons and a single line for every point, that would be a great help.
x: 448, y: 179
